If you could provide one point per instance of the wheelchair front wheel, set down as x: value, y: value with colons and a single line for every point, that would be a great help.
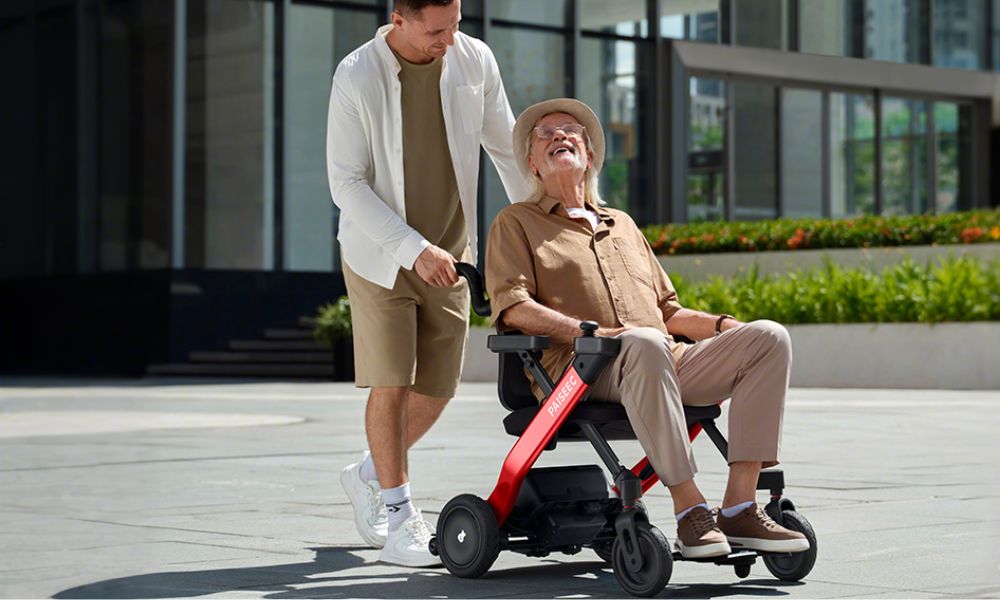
x: 657, y: 562
x: 796, y: 565
x: 468, y: 538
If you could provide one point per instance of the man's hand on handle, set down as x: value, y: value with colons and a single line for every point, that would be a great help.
x: 436, y: 267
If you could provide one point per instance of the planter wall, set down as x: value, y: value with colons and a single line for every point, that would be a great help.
x: 696, y: 267
x: 888, y: 355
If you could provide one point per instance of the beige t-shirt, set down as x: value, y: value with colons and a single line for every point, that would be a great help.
x: 433, y: 206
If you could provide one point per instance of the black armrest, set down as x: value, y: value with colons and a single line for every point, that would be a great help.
x: 516, y: 343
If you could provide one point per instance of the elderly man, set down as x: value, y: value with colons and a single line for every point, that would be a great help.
x: 561, y: 257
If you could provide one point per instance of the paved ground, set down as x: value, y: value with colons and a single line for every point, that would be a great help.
x: 159, y: 489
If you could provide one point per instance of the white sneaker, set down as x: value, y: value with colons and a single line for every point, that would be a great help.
x: 369, y: 510
x: 407, y: 546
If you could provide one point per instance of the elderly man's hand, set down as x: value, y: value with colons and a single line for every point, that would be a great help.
x: 436, y: 267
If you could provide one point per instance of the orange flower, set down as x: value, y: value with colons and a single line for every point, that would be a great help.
x: 971, y: 234
x: 995, y: 232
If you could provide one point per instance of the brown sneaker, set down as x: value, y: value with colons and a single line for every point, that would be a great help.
x: 698, y: 537
x: 753, y: 529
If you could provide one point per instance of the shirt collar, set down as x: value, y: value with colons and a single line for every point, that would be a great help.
x: 548, y: 204
x: 387, y: 55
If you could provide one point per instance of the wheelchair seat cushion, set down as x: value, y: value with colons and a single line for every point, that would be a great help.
x: 610, y: 419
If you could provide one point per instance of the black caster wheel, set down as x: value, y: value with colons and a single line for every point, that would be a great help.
x: 603, y: 551
x: 468, y: 538
x: 657, y: 562
x: 795, y: 565
x: 742, y: 570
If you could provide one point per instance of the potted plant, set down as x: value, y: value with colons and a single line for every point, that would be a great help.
x: 333, y: 330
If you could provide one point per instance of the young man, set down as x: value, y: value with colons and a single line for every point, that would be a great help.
x: 408, y: 113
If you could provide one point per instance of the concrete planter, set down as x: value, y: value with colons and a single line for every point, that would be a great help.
x: 696, y: 267
x: 868, y: 355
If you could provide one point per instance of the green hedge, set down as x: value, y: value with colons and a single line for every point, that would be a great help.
x: 952, y: 289
x: 333, y: 322
x: 801, y: 234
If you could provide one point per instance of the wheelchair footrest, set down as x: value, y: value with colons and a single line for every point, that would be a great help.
x: 772, y: 480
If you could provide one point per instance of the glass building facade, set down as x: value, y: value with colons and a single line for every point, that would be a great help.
x: 144, y: 136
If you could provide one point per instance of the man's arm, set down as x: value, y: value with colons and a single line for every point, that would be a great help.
x: 697, y: 325
x: 532, y: 318
x: 498, y: 125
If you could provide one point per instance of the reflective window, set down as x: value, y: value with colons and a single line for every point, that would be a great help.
x: 319, y: 37
x: 826, y: 27
x: 801, y: 153
x: 706, y: 148
x: 754, y: 152
x: 904, y: 156
x: 134, y: 136
x: 893, y: 30
x: 996, y: 35
x: 946, y: 141
x: 696, y: 20
x: 610, y: 87
x: 759, y: 23
x: 546, y: 12
x: 229, y: 200
x: 959, y: 36
x: 852, y: 154
x: 622, y: 17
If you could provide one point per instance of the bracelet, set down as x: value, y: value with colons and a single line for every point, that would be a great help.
x: 718, y: 323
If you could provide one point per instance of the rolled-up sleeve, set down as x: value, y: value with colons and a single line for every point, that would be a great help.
x: 510, y: 267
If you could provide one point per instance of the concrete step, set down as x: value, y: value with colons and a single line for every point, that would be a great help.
x: 244, y: 370
x: 276, y: 346
x: 301, y: 333
x: 260, y: 357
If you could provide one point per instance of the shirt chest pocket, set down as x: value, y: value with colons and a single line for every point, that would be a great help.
x: 634, y: 259
x: 470, y: 107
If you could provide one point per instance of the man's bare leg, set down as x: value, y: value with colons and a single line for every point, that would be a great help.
x: 385, y: 426
x: 421, y: 414
x: 742, y: 484
x: 685, y: 495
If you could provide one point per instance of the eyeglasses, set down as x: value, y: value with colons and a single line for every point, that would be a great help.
x: 547, y: 132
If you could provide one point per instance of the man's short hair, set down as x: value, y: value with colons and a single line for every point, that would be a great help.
x: 412, y: 8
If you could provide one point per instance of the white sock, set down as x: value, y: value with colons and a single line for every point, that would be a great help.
x: 731, y: 511
x: 397, y: 505
x: 367, y: 471
x: 684, y: 512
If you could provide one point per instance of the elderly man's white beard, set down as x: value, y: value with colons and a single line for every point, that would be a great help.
x: 559, y: 165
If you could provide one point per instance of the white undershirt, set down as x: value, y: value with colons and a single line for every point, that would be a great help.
x: 584, y: 213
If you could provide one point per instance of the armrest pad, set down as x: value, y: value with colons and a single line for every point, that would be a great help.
x: 516, y: 343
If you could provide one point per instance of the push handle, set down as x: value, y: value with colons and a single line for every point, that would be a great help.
x: 480, y: 304
x: 589, y: 328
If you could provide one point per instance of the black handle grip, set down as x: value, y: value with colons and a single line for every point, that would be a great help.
x: 476, y: 288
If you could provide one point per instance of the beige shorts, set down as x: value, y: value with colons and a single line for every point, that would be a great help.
x: 410, y: 336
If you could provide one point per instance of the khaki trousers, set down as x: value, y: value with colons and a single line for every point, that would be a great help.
x: 749, y: 364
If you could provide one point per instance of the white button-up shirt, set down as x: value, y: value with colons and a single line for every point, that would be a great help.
x: 364, y: 149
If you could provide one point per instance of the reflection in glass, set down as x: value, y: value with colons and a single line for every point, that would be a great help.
x: 753, y: 151
x: 319, y: 37
x: 706, y: 144
x: 946, y: 140
x: 134, y: 136
x: 826, y: 27
x: 802, y: 153
x: 996, y: 35
x: 622, y: 17
x: 904, y: 156
x: 608, y: 84
x: 546, y: 12
x: 759, y: 23
x: 959, y: 36
x: 230, y: 135
x: 893, y: 30
x: 852, y: 154
x: 696, y: 20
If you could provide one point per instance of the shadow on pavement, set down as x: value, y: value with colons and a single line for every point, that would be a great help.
x: 320, y: 579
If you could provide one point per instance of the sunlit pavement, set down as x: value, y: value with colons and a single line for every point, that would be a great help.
x: 169, y: 488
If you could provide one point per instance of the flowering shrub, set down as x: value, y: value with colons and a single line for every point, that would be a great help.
x: 951, y: 289
x: 801, y: 234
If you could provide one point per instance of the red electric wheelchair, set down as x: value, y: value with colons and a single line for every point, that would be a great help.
x: 537, y: 511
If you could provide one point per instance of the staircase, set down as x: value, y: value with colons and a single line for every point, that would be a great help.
x: 286, y: 353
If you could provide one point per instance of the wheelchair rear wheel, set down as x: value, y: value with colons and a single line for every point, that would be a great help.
x: 796, y: 565
x: 468, y: 538
x: 603, y: 551
x: 657, y: 562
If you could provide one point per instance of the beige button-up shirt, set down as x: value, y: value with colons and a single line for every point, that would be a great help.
x: 608, y: 274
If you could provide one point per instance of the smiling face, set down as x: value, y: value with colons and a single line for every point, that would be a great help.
x: 564, y: 150
x: 427, y: 34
